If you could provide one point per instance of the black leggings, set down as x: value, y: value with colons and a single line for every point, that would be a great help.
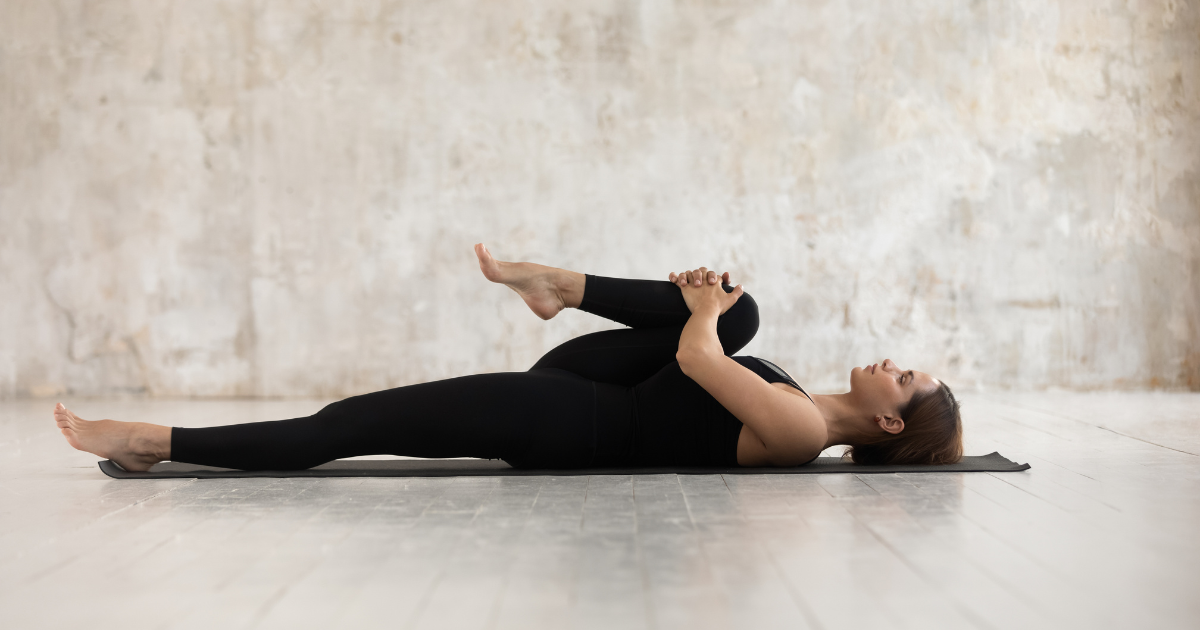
x: 574, y: 408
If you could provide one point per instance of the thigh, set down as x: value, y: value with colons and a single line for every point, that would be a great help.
x: 542, y: 417
x: 622, y: 357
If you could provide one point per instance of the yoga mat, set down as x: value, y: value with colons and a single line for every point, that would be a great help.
x: 993, y: 462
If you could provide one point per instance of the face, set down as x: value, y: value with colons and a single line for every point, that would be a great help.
x: 884, y: 388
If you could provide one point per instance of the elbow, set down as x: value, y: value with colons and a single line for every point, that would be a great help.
x: 684, y: 357
x: 690, y: 357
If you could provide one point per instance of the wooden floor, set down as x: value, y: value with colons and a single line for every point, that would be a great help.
x: 1102, y: 532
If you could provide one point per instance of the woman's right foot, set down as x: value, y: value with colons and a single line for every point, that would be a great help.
x: 546, y: 290
x: 136, y: 446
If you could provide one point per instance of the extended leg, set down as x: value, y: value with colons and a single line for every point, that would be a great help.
x: 546, y: 419
x: 533, y: 418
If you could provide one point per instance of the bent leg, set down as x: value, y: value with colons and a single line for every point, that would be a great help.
x: 543, y: 418
x: 636, y: 303
x: 657, y: 313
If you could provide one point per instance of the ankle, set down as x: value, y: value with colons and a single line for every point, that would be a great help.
x: 151, y: 441
x: 570, y: 286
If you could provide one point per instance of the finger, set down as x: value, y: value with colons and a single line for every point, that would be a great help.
x: 735, y: 294
x: 697, y: 275
x: 671, y: 277
x: 725, y: 278
x: 712, y: 277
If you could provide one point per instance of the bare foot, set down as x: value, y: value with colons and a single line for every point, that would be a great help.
x: 136, y: 446
x: 546, y: 290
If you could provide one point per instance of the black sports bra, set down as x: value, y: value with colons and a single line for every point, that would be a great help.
x: 770, y: 372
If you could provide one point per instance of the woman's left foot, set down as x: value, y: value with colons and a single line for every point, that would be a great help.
x: 136, y: 446
x: 540, y: 286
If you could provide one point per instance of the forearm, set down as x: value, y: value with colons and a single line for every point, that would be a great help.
x: 699, y: 339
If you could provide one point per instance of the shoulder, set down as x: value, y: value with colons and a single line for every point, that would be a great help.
x: 753, y: 451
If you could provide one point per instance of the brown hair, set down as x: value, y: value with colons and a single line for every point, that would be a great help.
x: 932, y: 433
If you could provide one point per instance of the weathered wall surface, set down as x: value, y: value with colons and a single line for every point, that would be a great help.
x: 279, y: 199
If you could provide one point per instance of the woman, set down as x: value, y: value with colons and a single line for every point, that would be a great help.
x: 664, y: 392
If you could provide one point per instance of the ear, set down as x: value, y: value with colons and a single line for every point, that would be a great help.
x: 891, y: 424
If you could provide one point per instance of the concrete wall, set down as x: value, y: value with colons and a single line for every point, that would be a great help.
x: 270, y: 198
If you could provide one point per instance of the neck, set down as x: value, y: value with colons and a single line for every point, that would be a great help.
x: 843, y: 420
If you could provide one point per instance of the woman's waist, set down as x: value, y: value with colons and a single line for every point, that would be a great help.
x: 678, y: 423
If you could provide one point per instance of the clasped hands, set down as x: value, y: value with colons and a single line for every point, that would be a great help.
x: 702, y: 289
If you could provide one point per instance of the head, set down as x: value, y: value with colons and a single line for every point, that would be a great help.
x: 915, y: 418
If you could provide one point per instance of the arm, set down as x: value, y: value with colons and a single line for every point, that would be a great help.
x: 699, y: 338
x: 790, y: 428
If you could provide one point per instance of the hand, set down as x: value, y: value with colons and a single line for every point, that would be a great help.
x: 708, y: 294
x: 694, y: 277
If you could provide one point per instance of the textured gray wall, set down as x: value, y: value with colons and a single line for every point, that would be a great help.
x: 279, y: 198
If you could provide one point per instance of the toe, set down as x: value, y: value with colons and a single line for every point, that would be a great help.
x: 70, y: 419
x: 490, y: 266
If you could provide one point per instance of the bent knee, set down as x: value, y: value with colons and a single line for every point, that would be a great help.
x: 738, y: 325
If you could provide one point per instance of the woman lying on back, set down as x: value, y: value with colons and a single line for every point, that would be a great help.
x: 664, y: 392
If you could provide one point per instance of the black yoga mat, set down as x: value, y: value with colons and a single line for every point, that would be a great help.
x: 994, y: 462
